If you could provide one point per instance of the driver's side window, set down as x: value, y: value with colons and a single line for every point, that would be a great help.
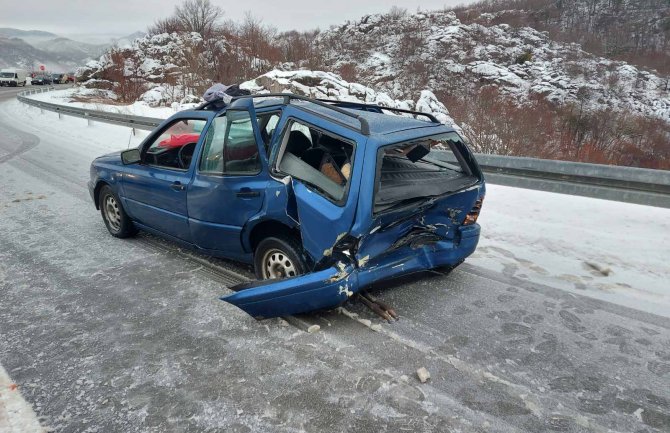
x: 175, y: 146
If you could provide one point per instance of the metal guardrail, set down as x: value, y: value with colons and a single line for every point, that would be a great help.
x: 139, y: 122
x: 628, y: 184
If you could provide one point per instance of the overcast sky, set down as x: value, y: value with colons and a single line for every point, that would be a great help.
x: 121, y: 17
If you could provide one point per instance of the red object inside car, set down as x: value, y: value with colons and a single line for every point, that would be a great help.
x: 179, y: 140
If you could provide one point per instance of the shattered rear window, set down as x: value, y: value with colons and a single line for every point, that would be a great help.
x: 412, y: 171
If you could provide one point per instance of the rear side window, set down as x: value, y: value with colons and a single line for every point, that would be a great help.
x: 230, y: 146
x: 319, y: 159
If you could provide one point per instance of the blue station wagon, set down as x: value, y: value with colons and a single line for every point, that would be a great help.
x: 323, y: 197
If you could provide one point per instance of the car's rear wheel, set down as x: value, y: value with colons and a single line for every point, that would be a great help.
x: 279, y: 257
x: 116, y: 220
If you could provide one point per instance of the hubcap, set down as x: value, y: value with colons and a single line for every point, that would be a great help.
x: 276, y: 264
x: 113, y: 213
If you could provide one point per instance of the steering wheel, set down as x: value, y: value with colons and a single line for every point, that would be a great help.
x: 185, y: 156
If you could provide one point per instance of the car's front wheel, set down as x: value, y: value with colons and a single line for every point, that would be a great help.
x: 279, y: 257
x: 116, y: 220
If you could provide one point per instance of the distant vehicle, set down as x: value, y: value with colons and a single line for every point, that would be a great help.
x: 13, y: 77
x: 59, y: 78
x: 323, y: 197
x: 39, y: 80
x: 70, y: 77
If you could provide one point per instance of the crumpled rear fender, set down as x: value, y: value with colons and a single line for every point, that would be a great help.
x: 333, y: 286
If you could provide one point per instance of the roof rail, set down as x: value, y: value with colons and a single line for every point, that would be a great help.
x: 377, y: 108
x: 288, y: 97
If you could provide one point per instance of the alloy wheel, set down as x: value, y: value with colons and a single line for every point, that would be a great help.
x: 277, y: 264
x: 112, y: 213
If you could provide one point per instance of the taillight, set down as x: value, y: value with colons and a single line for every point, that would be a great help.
x: 471, y: 217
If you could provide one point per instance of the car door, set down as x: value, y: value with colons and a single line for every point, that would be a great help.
x: 154, y: 191
x: 321, y: 202
x: 326, y: 209
x: 229, y: 183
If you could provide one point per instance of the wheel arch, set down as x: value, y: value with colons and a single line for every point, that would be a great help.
x: 266, y: 228
x: 96, y: 192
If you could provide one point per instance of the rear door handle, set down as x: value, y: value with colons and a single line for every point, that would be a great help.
x: 177, y: 186
x: 248, y: 193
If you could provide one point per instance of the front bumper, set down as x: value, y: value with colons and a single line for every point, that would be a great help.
x: 333, y: 286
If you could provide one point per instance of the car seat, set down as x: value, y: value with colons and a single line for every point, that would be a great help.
x: 298, y: 143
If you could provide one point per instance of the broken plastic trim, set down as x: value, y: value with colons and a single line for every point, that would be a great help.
x: 313, y: 291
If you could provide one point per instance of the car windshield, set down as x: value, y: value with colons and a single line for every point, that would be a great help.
x: 7, y: 74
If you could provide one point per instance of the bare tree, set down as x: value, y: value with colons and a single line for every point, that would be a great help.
x: 199, y: 16
x: 166, y: 25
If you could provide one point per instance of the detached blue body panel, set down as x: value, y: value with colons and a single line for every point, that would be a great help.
x: 333, y: 286
x: 348, y: 245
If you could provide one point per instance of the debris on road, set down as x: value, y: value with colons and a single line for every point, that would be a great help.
x: 423, y: 374
x: 302, y: 325
x: 603, y: 270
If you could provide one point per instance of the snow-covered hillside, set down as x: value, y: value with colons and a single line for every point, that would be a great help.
x: 513, y: 90
x: 396, y: 53
x: 156, y: 101
x: 326, y: 85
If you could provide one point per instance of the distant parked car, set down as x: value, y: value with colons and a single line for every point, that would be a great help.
x: 39, y: 80
x: 70, y: 77
x: 59, y: 78
x: 323, y: 197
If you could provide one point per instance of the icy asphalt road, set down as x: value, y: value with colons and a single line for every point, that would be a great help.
x: 108, y: 335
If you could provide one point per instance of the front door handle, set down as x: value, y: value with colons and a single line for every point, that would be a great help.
x: 178, y: 186
x: 248, y: 193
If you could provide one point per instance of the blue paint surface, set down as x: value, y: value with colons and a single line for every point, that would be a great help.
x: 348, y: 245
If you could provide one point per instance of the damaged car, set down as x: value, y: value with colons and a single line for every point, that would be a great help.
x: 324, y: 198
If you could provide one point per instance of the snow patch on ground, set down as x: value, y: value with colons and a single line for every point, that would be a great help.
x: 16, y: 415
x: 556, y: 239
x: 139, y: 108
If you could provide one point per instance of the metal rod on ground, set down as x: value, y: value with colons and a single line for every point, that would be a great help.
x: 375, y: 308
x: 386, y: 307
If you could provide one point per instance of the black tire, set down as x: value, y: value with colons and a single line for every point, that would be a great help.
x: 116, y: 220
x: 273, y: 254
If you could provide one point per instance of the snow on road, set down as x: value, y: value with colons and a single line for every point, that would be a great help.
x: 608, y: 250
x: 16, y: 416
x: 617, y: 252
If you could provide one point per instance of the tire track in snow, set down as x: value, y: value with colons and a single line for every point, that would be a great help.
x: 28, y: 141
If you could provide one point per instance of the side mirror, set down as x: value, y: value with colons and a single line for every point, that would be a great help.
x: 131, y: 156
